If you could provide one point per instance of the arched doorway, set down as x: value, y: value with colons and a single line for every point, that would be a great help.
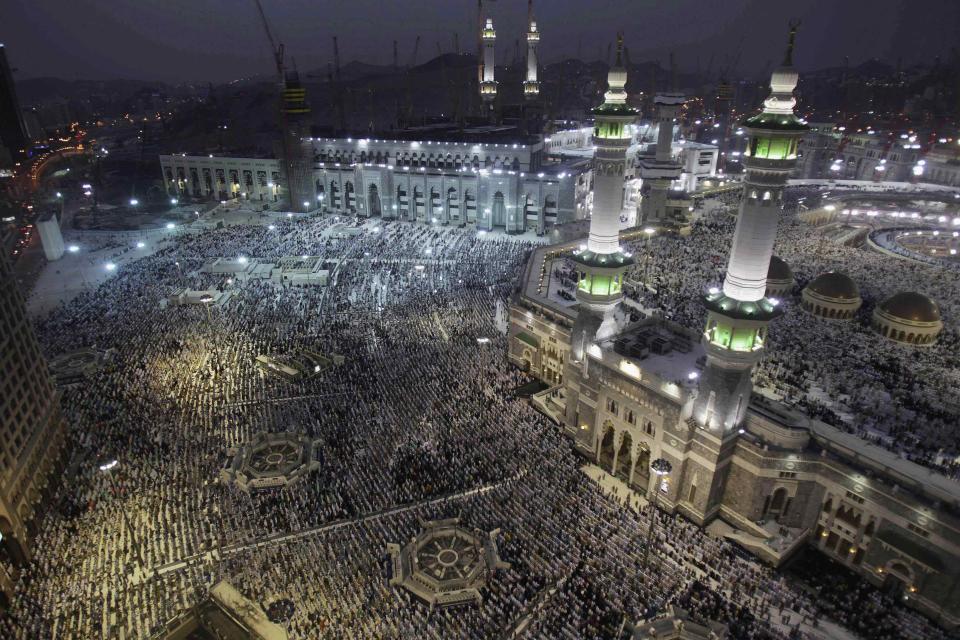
x: 499, y: 210
x: 374, y: 200
x: 624, y: 459
x: 350, y: 198
x: 898, y: 578
x: 641, y: 470
x: 418, y: 205
x: 605, y: 459
x: 453, y: 206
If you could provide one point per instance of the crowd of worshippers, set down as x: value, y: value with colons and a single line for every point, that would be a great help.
x: 843, y: 373
x: 421, y: 421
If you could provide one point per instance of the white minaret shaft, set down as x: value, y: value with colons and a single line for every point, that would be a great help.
x: 531, y: 86
x: 738, y: 316
x: 533, y: 37
x: 756, y: 228
x: 489, y: 58
x: 611, y: 138
x: 488, y: 82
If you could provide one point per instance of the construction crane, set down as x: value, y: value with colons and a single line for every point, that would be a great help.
x: 275, y: 50
x: 456, y: 43
x: 413, y: 56
x: 439, y: 49
x: 341, y: 115
x: 395, y: 66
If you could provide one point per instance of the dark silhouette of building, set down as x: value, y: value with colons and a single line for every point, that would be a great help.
x: 12, y: 130
x: 31, y: 430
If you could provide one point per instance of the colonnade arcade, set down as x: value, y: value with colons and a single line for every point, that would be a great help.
x: 431, y: 160
x: 622, y: 457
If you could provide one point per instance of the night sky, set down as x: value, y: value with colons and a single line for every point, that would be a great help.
x: 221, y: 40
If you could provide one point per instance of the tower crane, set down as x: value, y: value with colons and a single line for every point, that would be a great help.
x: 275, y: 50
x: 341, y: 116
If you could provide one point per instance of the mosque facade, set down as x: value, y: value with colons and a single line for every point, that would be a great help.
x: 489, y: 185
x: 766, y: 476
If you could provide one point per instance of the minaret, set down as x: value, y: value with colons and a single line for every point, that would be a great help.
x: 488, y: 85
x: 660, y: 171
x: 531, y: 86
x: 738, y: 314
x: 601, y: 264
x: 297, y: 150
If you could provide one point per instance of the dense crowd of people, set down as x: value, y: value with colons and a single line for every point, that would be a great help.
x: 420, y: 421
x: 897, y: 396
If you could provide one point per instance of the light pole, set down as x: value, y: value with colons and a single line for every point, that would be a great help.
x: 660, y: 468
x: 105, y: 468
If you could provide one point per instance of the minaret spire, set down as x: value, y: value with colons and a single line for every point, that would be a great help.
x: 791, y: 41
x: 601, y: 263
x: 531, y: 85
x: 738, y: 313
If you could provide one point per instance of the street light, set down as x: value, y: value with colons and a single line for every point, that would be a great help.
x: 105, y: 468
x: 134, y: 202
x: 173, y: 201
x: 660, y: 468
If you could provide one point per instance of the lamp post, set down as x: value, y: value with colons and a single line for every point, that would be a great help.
x: 660, y: 468
x: 105, y: 468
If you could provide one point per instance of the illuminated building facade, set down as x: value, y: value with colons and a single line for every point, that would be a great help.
x: 462, y: 180
x: 31, y: 430
x: 780, y: 479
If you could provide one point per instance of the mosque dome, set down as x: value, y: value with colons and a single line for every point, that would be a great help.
x: 912, y: 306
x: 832, y: 295
x: 779, y: 278
x: 908, y: 317
x: 779, y: 270
x: 834, y: 284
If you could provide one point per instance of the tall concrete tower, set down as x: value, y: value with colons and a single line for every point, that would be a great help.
x: 488, y: 84
x: 32, y: 431
x: 660, y: 171
x: 13, y: 132
x: 531, y: 86
x: 297, y: 149
x: 601, y: 263
x: 738, y: 314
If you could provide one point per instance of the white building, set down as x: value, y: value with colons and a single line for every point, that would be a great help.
x: 463, y: 181
x: 50, y: 237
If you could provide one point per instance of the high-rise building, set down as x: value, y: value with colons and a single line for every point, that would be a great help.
x: 738, y: 314
x: 12, y: 130
x: 297, y: 149
x: 31, y: 429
